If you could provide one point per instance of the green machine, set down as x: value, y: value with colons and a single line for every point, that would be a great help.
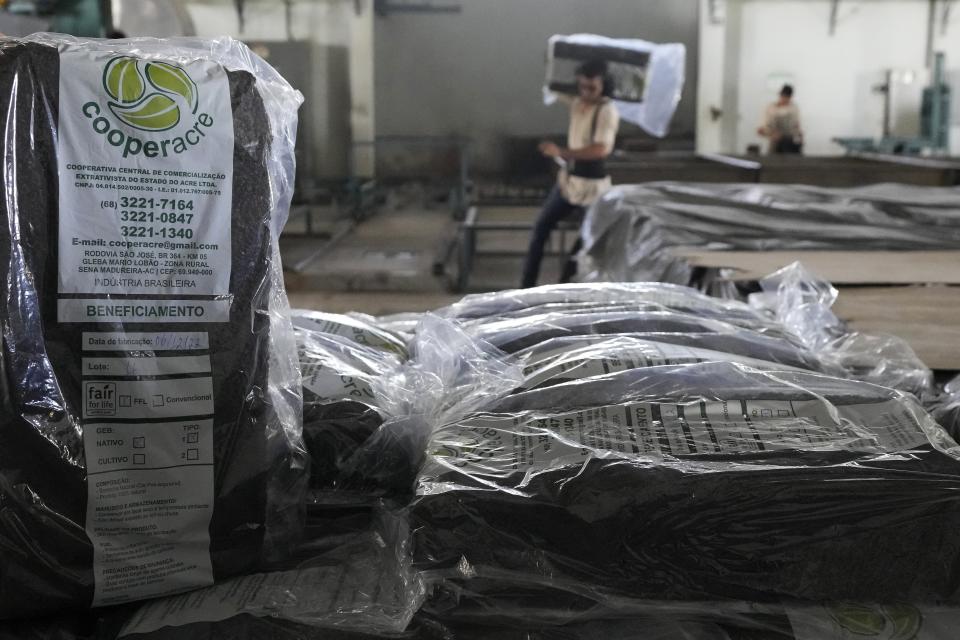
x: 934, y: 121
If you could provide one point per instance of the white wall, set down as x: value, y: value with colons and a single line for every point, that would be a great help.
x: 479, y: 73
x: 336, y: 76
x: 789, y: 41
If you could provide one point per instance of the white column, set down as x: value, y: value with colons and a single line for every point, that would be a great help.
x: 362, y: 87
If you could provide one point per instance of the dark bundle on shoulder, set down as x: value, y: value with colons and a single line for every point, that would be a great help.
x: 150, y: 418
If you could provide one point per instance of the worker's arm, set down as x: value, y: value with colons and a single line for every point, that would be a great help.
x: 764, y: 129
x: 604, y: 138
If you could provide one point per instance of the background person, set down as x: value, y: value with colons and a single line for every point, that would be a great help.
x: 781, y: 124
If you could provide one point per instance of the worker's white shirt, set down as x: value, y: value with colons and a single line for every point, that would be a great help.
x: 782, y: 121
x: 584, y: 191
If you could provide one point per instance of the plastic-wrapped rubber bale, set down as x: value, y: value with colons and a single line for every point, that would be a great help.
x: 629, y: 234
x: 531, y: 322
x: 635, y: 620
x: 363, y: 586
x: 659, y: 620
x: 669, y: 326
x: 702, y: 481
x: 340, y: 409
x: 559, y: 297
x: 150, y: 434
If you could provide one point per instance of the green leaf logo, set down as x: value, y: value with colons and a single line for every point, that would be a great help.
x: 122, y: 80
x: 172, y: 79
x: 127, y: 79
x: 156, y: 112
x: 907, y: 621
x: 859, y: 619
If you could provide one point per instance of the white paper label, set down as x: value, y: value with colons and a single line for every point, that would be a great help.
x: 149, y: 482
x: 148, y: 366
x: 498, y: 446
x: 146, y: 341
x: 149, y: 502
x: 329, y: 384
x: 142, y: 311
x: 341, y: 327
x: 133, y: 399
x: 145, y: 161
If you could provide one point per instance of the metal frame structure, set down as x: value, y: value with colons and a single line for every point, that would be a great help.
x: 471, y: 227
x: 465, y: 243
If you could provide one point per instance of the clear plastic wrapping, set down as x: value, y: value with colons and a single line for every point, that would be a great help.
x: 341, y: 410
x: 361, y: 329
x: 363, y: 585
x: 665, y: 449
x: 645, y: 78
x: 449, y: 374
x: 944, y: 405
x: 150, y: 436
x: 693, y: 482
x: 659, y: 620
x: 521, y: 320
x: 649, y: 620
x: 628, y: 234
x: 802, y: 303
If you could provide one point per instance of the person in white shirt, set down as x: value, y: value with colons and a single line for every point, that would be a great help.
x: 583, y: 177
x: 781, y: 124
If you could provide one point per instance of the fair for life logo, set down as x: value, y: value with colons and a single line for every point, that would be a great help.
x: 148, y: 95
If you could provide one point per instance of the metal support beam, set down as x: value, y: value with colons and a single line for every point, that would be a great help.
x: 834, y: 14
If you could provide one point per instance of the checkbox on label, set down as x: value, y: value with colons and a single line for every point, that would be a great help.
x: 193, y: 438
x: 193, y: 454
x: 158, y: 400
x: 139, y: 458
x: 125, y: 401
x: 140, y: 443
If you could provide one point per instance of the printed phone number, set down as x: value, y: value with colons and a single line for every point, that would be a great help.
x: 156, y: 203
x: 150, y: 216
x: 152, y: 232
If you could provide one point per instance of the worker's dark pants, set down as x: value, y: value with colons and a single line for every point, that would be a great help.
x: 555, y: 210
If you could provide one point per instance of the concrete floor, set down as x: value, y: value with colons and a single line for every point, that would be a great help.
x: 386, y: 264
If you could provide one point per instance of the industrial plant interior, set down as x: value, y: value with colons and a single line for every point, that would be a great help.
x: 480, y: 319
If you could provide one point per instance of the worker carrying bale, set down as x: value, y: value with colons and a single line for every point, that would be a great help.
x: 633, y: 79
